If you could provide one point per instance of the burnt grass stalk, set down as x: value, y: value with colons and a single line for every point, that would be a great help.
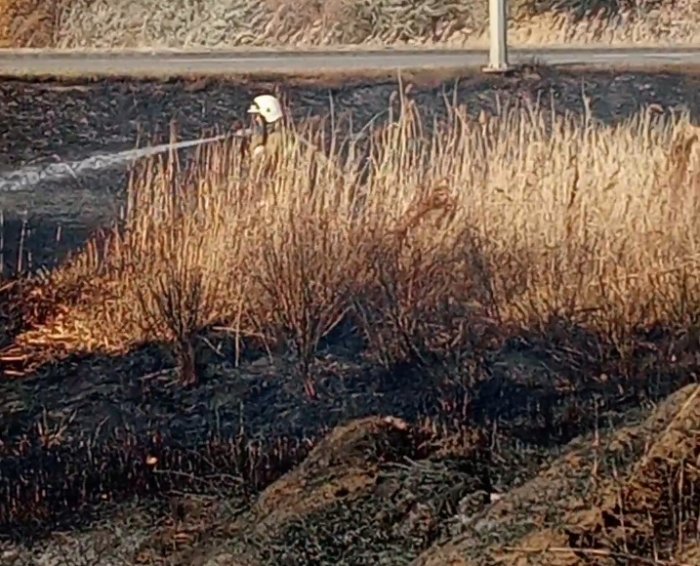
x: 47, y: 482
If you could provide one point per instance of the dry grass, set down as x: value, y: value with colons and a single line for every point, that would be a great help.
x: 641, y: 510
x: 623, y: 496
x: 231, y: 23
x: 659, y: 499
x: 509, y: 222
x: 652, y: 512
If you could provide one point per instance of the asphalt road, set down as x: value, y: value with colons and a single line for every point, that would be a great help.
x: 320, y: 61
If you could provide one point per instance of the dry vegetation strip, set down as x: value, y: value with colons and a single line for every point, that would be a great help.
x: 441, y: 239
x: 228, y: 23
x: 627, y: 496
x: 651, y: 512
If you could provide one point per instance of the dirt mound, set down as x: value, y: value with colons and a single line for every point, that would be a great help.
x: 344, y: 464
x: 621, y: 496
x: 28, y: 23
x: 382, y: 491
x: 377, y: 486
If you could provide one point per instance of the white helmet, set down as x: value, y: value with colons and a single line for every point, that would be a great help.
x: 266, y: 106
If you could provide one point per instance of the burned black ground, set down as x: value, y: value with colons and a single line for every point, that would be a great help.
x: 53, y: 121
x: 96, y: 442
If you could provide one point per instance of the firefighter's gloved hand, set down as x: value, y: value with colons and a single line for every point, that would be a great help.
x: 243, y: 133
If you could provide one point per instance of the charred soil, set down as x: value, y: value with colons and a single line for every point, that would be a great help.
x: 549, y: 445
x: 379, y: 468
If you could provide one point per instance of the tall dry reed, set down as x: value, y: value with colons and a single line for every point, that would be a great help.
x: 423, y: 242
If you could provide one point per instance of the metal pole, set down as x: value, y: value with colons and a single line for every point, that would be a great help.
x: 498, y: 31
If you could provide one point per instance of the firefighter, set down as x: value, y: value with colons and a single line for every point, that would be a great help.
x: 268, y: 135
x: 270, y: 138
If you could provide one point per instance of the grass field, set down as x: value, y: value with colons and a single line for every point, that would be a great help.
x: 231, y: 23
x: 430, y: 249
x: 508, y: 222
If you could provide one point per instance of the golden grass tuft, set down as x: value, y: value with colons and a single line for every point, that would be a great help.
x: 442, y: 237
x: 28, y: 23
